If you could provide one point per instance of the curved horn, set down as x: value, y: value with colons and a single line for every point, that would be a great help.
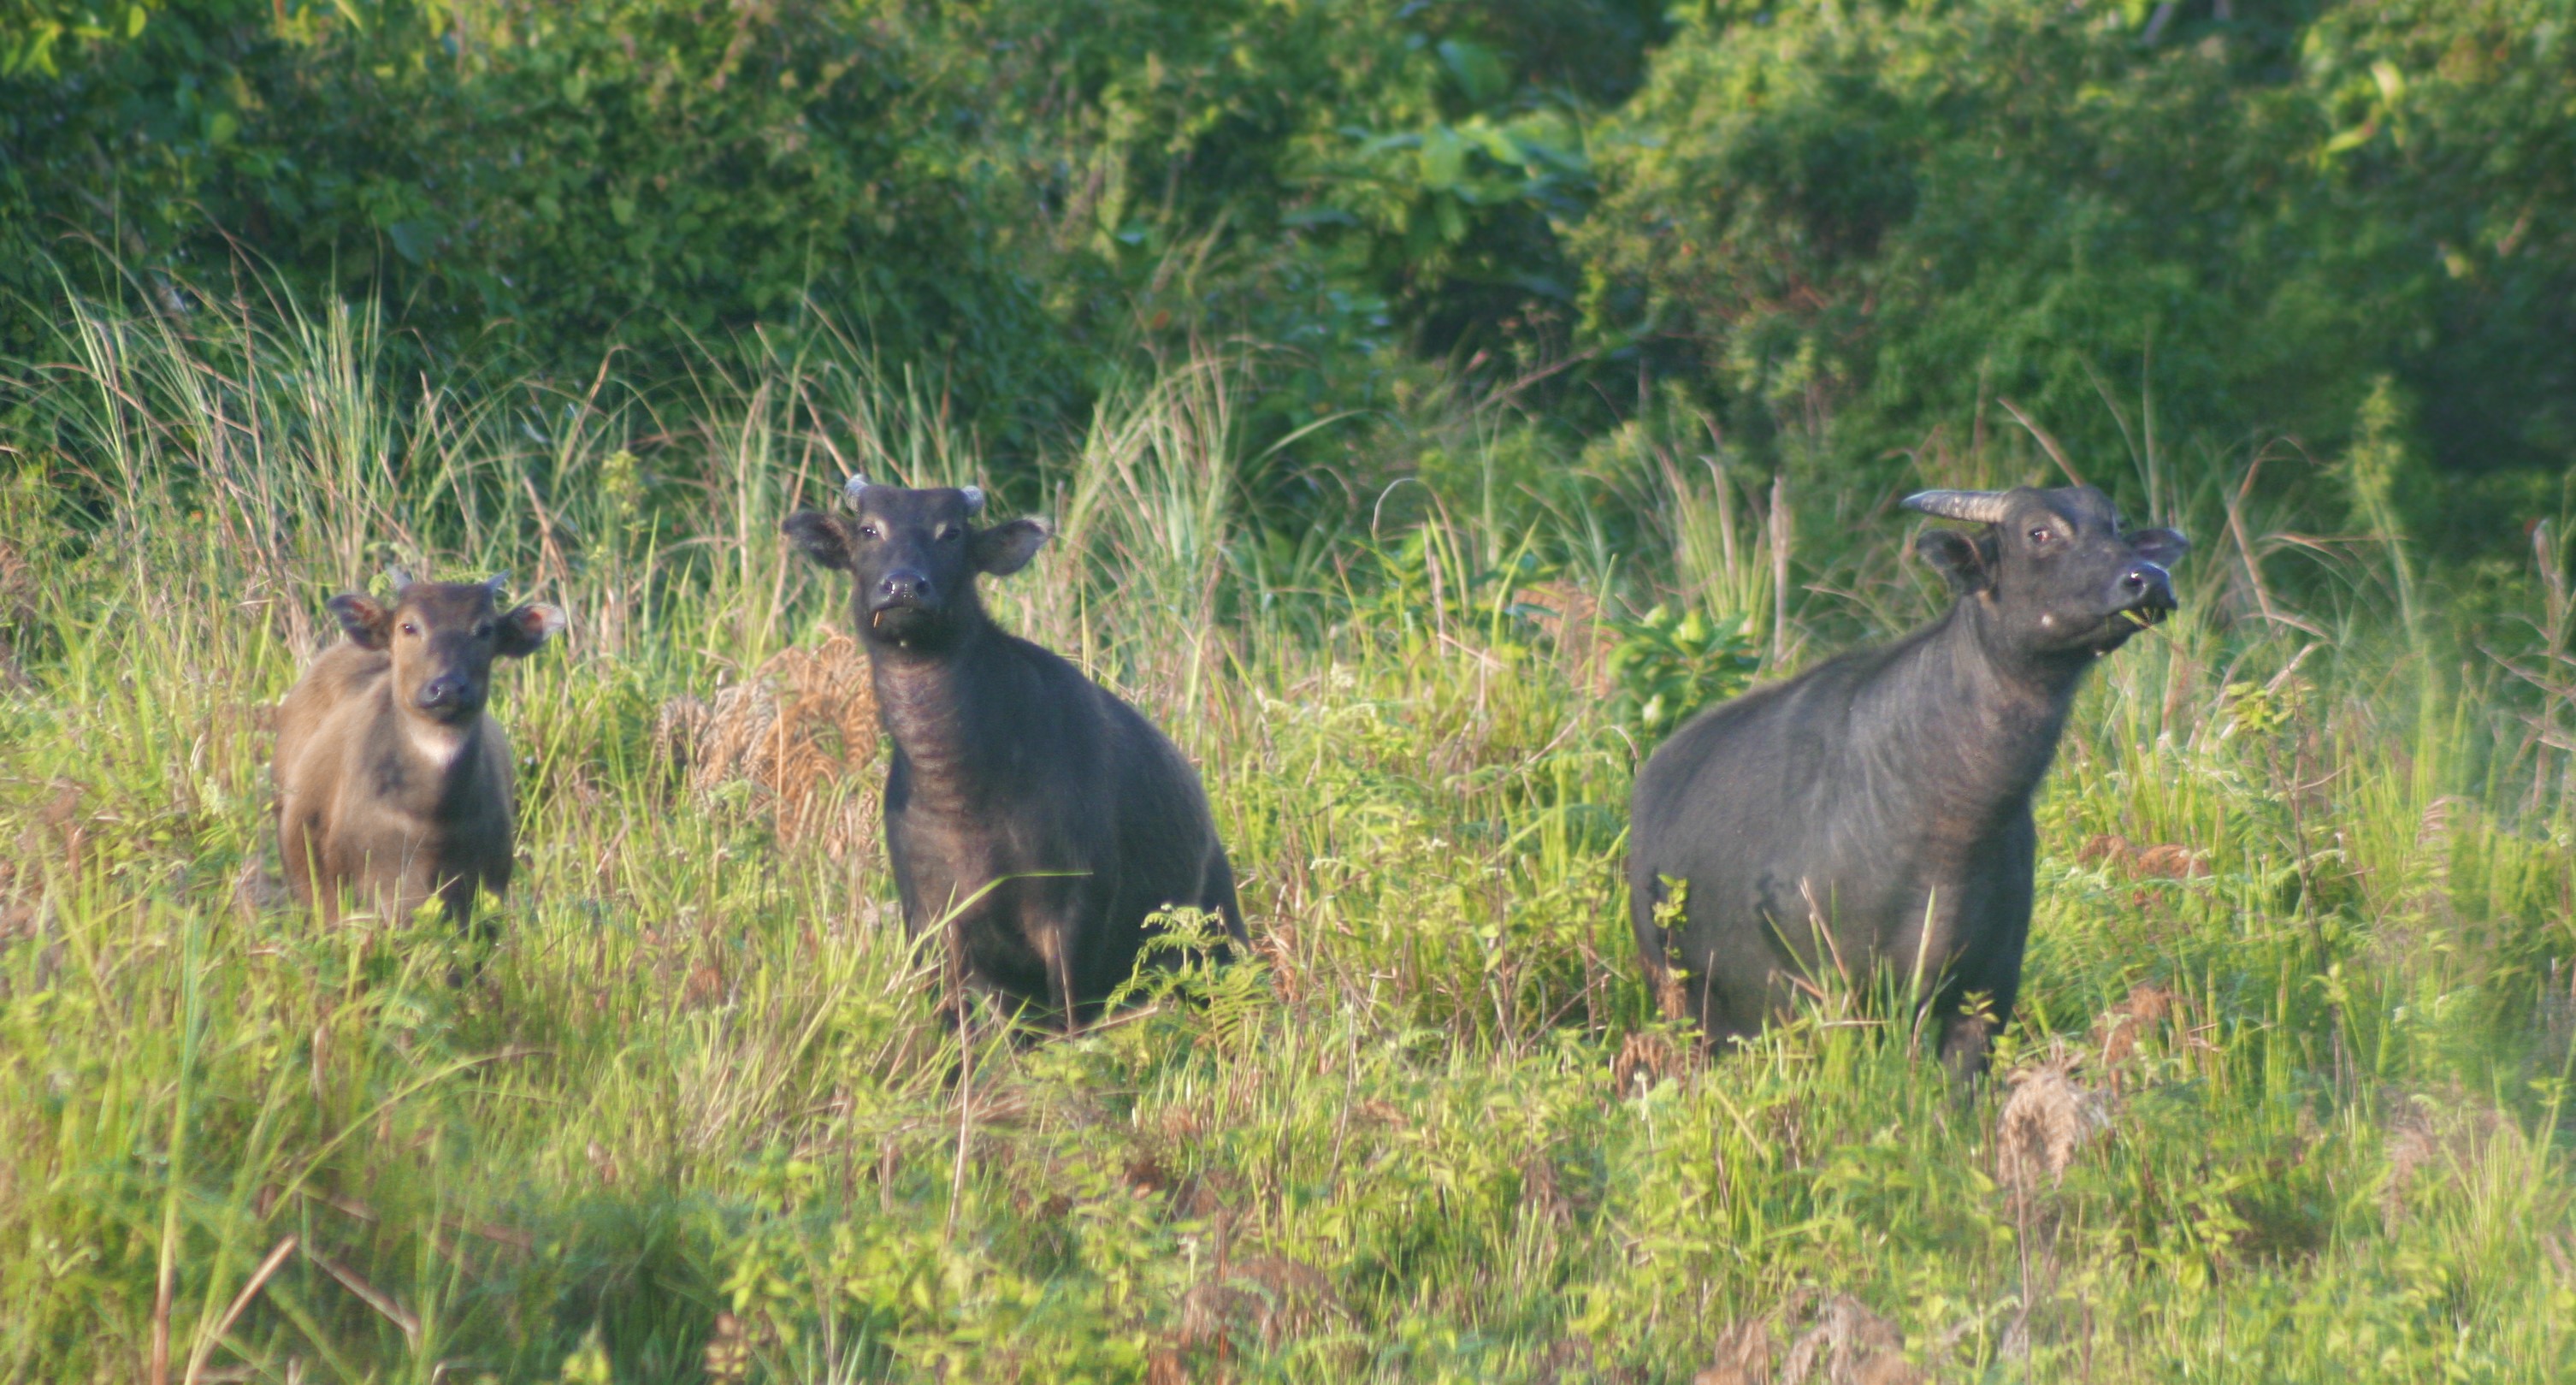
x: 853, y: 486
x: 399, y: 578
x: 1977, y: 507
x: 974, y: 499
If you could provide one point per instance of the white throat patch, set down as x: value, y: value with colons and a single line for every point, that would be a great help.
x: 439, y: 744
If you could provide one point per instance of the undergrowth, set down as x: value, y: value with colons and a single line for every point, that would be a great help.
x: 2286, y: 1099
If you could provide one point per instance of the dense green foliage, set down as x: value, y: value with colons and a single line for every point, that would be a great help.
x: 1847, y: 229
x: 1874, y: 222
x: 996, y: 194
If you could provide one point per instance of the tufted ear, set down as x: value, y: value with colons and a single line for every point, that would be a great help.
x: 523, y: 629
x: 1968, y: 564
x: 818, y: 538
x: 366, y: 621
x: 1006, y: 548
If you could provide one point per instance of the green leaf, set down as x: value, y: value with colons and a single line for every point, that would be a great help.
x: 1443, y: 159
x: 2391, y: 82
x: 1478, y: 70
x: 412, y: 240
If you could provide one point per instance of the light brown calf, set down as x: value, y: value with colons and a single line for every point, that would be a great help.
x: 394, y: 784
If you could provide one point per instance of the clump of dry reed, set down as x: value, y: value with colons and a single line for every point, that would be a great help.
x: 1645, y: 1058
x: 2046, y: 1122
x: 802, y: 730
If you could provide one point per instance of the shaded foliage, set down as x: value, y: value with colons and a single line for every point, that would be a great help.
x: 1872, y: 221
x: 1004, y: 195
x: 2172, y: 233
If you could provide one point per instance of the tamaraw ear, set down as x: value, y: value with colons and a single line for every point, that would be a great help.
x: 523, y: 629
x: 1006, y: 548
x: 819, y: 538
x: 366, y: 621
x: 1967, y: 564
x: 2162, y: 547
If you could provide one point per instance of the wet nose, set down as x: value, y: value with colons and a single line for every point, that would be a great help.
x: 2145, y: 584
x: 448, y: 690
x: 903, y: 584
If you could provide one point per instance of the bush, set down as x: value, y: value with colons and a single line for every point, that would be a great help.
x: 1669, y: 665
x: 1005, y: 198
x: 1870, y: 221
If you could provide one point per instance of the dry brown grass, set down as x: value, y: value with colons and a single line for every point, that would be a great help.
x: 2118, y: 1031
x: 2433, y: 1139
x: 1269, y: 1298
x: 1672, y: 999
x: 2046, y: 1122
x: 1570, y: 617
x: 1645, y: 1058
x: 1744, y: 1353
x: 802, y: 730
x: 2162, y: 861
x: 1832, y: 1337
x: 17, y: 611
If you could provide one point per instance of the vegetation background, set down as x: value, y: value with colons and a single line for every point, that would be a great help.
x: 1439, y: 401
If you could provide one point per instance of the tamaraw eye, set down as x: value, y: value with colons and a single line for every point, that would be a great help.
x: 410, y: 629
x: 948, y: 532
x: 869, y: 531
x: 2041, y: 534
x: 483, y: 631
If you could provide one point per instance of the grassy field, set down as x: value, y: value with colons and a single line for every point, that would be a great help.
x: 2286, y: 1101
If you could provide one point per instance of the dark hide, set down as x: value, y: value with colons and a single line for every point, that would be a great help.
x: 1039, y: 813
x: 1893, y: 785
x: 394, y: 783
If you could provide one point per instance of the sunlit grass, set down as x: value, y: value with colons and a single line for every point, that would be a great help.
x: 2303, y: 945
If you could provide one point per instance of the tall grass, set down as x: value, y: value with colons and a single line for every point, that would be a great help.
x: 2299, y: 1013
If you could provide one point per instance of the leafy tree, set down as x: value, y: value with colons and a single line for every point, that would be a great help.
x: 1870, y: 221
x: 1000, y: 193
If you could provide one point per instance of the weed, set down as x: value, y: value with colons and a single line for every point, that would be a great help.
x: 698, y: 1115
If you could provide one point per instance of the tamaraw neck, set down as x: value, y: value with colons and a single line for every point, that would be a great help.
x: 1973, y: 726
x: 923, y: 701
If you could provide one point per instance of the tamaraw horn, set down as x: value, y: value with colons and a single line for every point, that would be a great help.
x: 1976, y: 507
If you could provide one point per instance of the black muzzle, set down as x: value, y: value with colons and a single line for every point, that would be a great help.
x: 904, y: 606
x: 449, y: 697
x: 2144, y: 590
